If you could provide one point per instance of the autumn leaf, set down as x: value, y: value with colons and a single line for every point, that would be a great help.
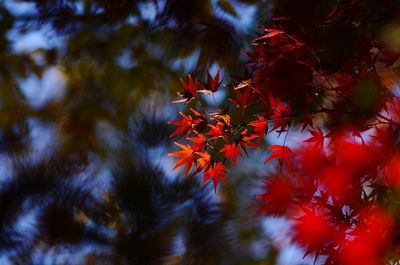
x: 312, y: 159
x: 199, y: 142
x: 201, y: 120
x: 280, y: 114
x: 216, y: 130
x: 307, y: 122
x: 198, y: 114
x: 184, y: 125
x: 216, y: 172
x: 317, y: 137
x: 188, y: 123
x: 231, y: 151
x: 260, y: 127
x: 337, y: 181
x: 282, y: 153
x: 247, y: 141
x: 279, y: 195
x: 371, y: 238
x: 313, y: 229
x: 186, y: 156
x: 243, y: 99
x: 212, y: 84
x: 204, y: 160
x: 189, y: 91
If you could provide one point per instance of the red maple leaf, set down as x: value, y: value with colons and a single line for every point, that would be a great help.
x: 338, y: 181
x: 216, y: 172
x: 186, y: 155
x: 317, y: 137
x: 282, y: 153
x: 370, y: 238
x: 184, y: 126
x: 257, y: 55
x: 246, y: 141
x: 280, y: 114
x: 201, y: 120
x: 260, y: 127
x: 313, y: 229
x: 212, y: 84
x: 243, y: 99
x: 189, y: 91
x: 199, y: 142
x: 307, y: 122
x: 392, y: 171
x: 279, y: 195
x: 231, y: 150
x: 188, y: 123
x: 216, y: 130
x: 198, y: 114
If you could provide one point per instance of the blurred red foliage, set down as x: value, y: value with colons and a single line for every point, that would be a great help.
x: 338, y: 185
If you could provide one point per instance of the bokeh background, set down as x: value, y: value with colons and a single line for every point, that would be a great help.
x: 85, y: 95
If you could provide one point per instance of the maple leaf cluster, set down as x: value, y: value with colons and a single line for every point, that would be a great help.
x: 339, y: 187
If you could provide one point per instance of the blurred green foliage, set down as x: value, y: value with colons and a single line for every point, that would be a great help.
x: 84, y: 179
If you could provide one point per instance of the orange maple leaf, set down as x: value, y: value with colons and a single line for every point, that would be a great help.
x: 204, y: 160
x: 199, y: 141
x: 186, y: 155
